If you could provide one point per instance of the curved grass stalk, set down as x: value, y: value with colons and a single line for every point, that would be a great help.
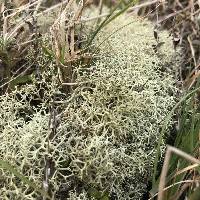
x: 184, y: 98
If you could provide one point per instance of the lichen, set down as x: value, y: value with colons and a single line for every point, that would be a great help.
x: 108, y: 128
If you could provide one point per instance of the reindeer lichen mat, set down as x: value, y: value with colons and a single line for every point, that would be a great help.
x: 101, y: 142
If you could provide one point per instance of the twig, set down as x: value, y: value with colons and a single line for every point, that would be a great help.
x: 185, y: 169
x: 174, y: 184
x: 49, y: 165
x: 20, y: 9
x: 192, y: 51
x: 12, y: 79
x: 143, y: 5
x: 39, y: 14
x: 163, y: 176
x: 70, y: 84
x: 37, y: 8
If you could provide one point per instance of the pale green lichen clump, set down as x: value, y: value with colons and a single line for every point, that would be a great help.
x: 106, y: 137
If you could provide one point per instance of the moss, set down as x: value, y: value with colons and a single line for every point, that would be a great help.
x: 107, y: 130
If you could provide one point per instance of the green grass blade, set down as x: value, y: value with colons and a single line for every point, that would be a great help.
x: 184, y: 98
x: 109, y: 19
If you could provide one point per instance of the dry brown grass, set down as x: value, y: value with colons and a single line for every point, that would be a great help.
x: 181, y: 18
